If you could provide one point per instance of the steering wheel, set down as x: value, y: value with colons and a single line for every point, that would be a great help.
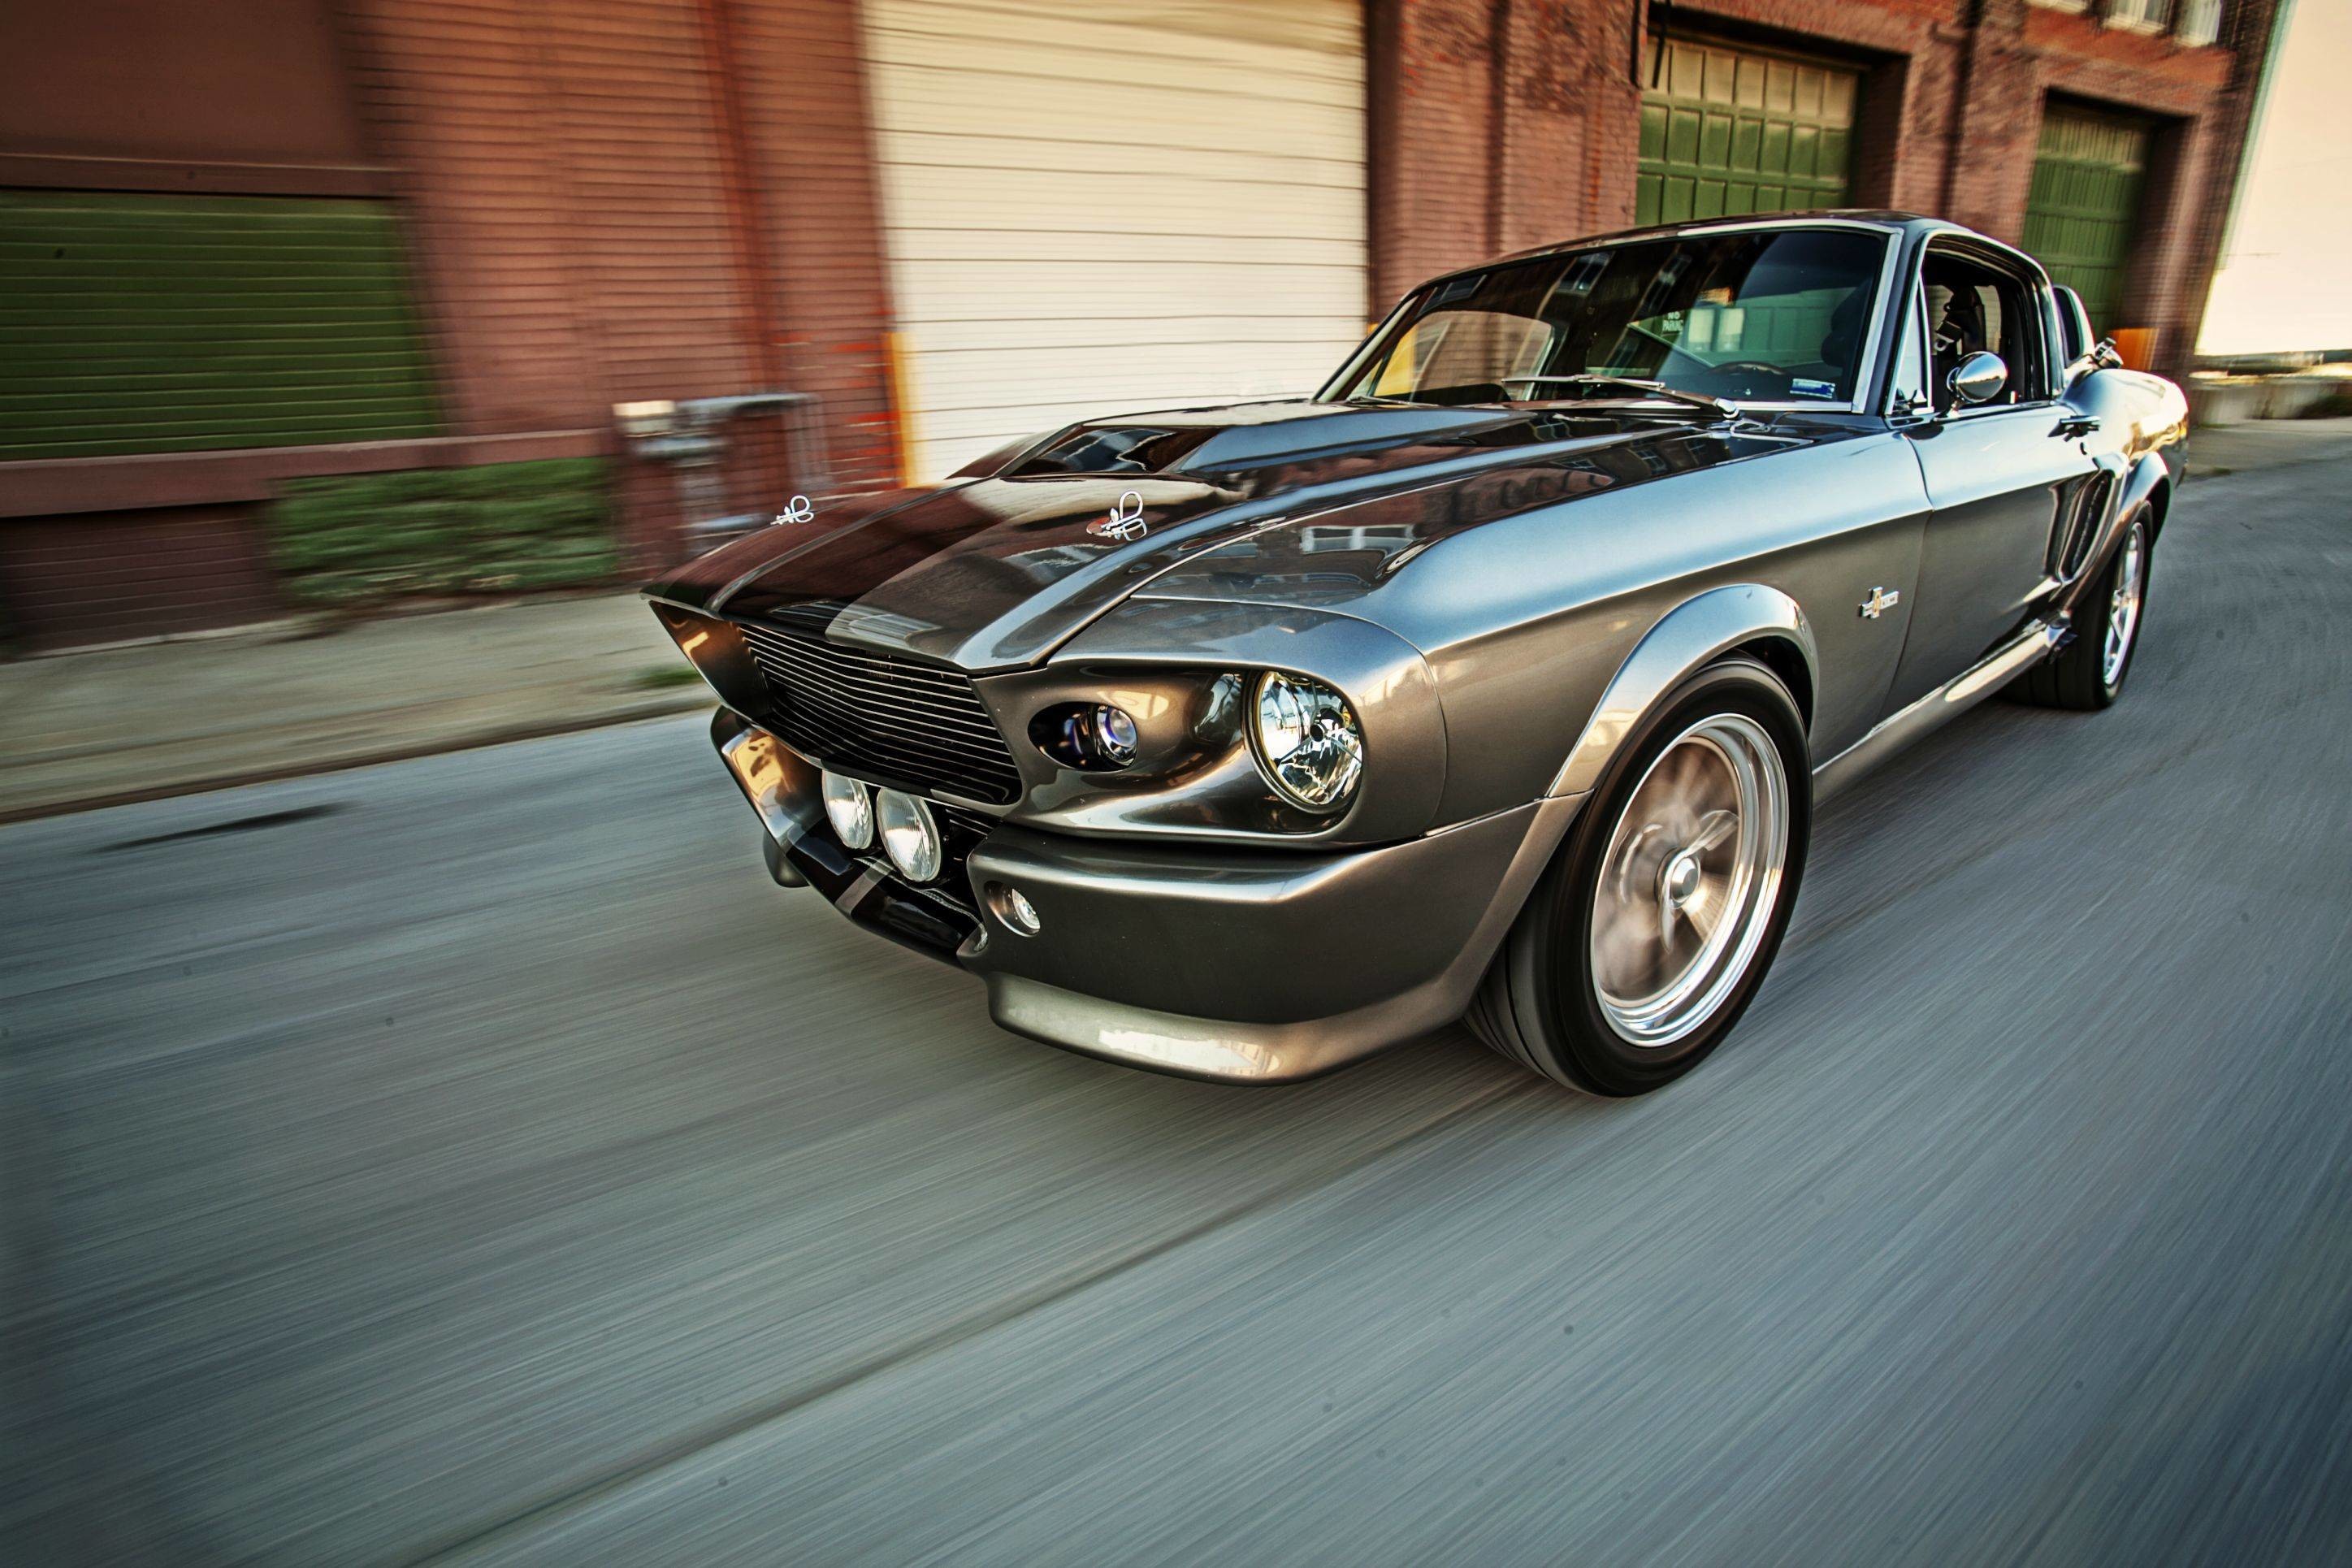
x: 1732, y: 367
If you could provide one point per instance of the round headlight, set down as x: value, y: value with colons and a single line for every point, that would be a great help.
x: 849, y: 808
x: 909, y: 836
x: 1306, y: 739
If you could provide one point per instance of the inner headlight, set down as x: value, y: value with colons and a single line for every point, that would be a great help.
x: 849, y: 808
x: 1307, y: 739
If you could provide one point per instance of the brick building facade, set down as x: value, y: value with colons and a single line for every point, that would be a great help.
x: 1517, y: 122
x: 610, y: 202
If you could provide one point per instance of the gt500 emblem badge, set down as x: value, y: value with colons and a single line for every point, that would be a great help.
x: 1881, y: 600
x: 796, y: 510
x: 1124, y: 521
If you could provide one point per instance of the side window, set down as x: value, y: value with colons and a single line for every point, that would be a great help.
x: 1974, y: 308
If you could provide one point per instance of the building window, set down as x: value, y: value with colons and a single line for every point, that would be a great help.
x: 2140, y: 16
x: 2199, y: 23
x: 2077, y: 6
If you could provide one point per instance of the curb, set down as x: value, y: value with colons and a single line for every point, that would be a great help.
x: 684, y: 702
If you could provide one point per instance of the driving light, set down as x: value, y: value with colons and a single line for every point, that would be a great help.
x: 1093, y: 737
x: 1115, y: 735
x: 849, y: 808
x: 909, y: 836
x: 1306, y: 739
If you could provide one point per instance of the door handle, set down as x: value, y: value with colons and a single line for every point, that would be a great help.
x: 2073, y: 426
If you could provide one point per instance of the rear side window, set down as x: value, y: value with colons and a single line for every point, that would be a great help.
x: 2075, y: 339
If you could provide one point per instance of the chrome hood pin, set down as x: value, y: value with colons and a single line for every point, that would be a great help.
x: 1124, y: 521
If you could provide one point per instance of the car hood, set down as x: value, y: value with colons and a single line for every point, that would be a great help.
x: 997, y: 570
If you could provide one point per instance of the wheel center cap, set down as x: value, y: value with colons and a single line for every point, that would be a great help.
x: 1680, y: 878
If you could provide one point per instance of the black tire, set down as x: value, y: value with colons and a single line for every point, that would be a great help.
x: 2077, y: 678
x: 1540, y: 1004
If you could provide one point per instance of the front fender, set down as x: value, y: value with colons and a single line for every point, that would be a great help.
x: 2147, y: 476
x: 1179, y: 667
x: 1691, y: 635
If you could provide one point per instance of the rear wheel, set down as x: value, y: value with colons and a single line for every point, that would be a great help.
x: 2089, y: 673
x: 1650, y: 932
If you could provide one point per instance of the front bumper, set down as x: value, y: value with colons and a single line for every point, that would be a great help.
x: 1238, y: 965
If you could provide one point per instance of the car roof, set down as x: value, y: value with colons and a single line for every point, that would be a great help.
x: 1900, y: 224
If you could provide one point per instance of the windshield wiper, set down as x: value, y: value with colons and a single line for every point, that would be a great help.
x: 1651, y: 388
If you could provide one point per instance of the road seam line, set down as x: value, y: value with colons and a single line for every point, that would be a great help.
x: 975, y: 1326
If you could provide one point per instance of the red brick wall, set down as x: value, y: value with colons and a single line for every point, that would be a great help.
x: 251, y: 83
x: 1429, y: 202
x: 458, y: 97
x: 1571, y: 120
x: 812, y: 146
x: 1500, y: 125
x: 622, y: 200
x: 82, y: 579
x: 1506, y: 123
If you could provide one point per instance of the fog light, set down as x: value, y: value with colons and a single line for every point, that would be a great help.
x: 909, y: 836
x: 1013, y: 908
x: 849, y: 808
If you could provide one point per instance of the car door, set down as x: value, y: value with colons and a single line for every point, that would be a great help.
x: 2000, y: 475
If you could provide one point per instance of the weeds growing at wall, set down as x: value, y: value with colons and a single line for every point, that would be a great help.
x: 504, y: 528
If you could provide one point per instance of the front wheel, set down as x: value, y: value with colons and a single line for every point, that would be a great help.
x: 2088, y: 674
x: 1653, y: 928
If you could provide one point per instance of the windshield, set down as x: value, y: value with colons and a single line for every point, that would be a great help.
x: 1768, y: 316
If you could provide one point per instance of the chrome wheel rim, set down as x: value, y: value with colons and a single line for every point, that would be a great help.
x: 2123, y: 607
x: 1690, y: 879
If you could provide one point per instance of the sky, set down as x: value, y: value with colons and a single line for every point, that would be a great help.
x: 2286, y: 281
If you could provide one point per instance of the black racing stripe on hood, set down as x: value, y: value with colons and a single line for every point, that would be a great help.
x: 964, y: 556
x: 995, y: 572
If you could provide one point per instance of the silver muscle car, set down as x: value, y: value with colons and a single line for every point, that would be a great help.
x: 1499, y: 678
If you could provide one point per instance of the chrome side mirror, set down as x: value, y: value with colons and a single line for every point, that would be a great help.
x: 1978, y: 378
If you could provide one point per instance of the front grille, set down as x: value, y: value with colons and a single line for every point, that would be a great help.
x: 890, y: 719
x: 961, y: 832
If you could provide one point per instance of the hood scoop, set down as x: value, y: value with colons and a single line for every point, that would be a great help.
x: 1191, y: 442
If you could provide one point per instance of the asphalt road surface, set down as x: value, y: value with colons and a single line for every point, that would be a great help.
x: 477, y: 1158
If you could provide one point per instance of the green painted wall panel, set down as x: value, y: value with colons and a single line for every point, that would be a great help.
x: 155, y: 323
x: 1728, y: 132
x: 2081, y: 212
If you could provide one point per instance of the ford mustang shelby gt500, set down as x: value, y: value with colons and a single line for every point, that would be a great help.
x: 1500, y: 678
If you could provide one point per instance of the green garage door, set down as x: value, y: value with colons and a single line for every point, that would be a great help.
x: 2085, y: 203
x: 1726, y: 132
x: 151, y: 323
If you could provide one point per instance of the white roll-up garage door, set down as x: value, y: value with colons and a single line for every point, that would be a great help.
x: 1095, y: 208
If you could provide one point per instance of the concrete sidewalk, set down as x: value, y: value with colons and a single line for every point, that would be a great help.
x: 133, y: 723
x: 2219, y: 449
x: 111, y: 725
